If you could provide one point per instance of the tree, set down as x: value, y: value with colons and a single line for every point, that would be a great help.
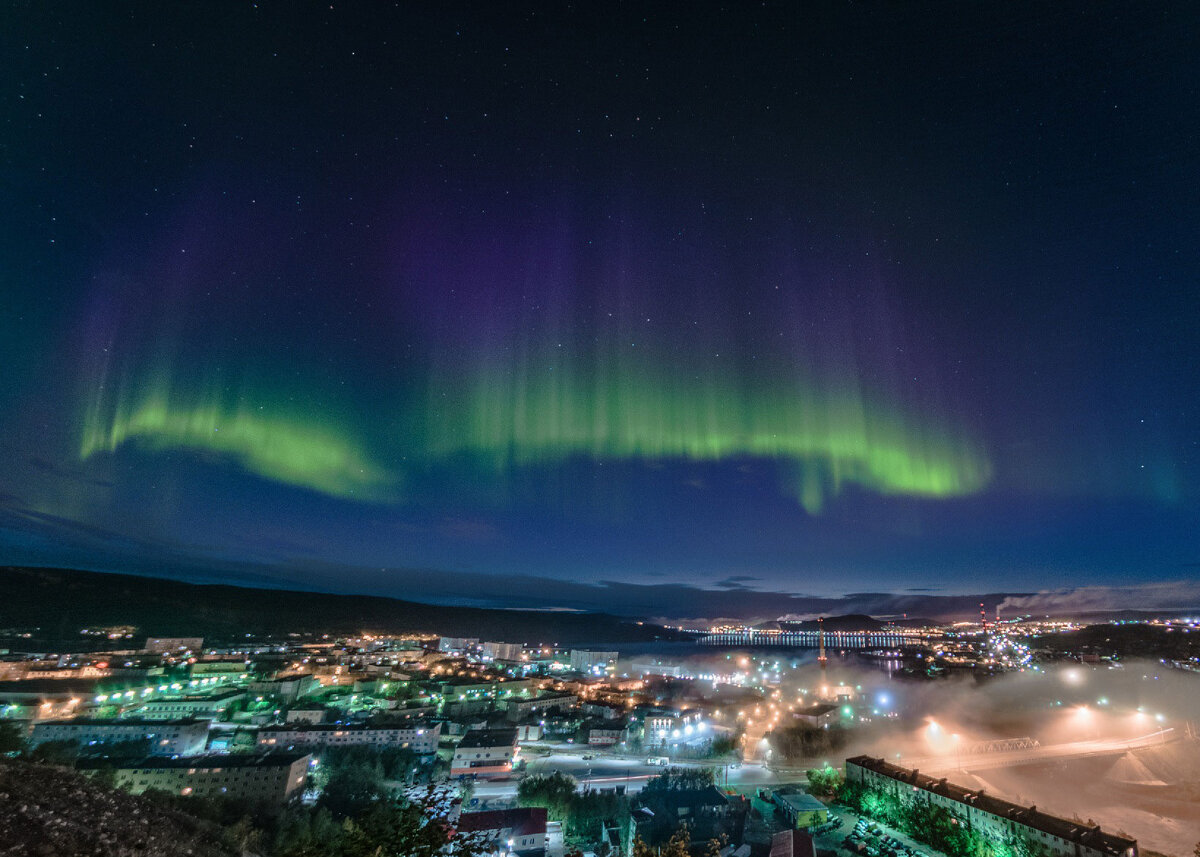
x: 679, y: 845
x: 56, y: 753
x: 350, y: 790
x: 133, y: 748
x: 824, y: 782
x: 803, y: 741
x: 673, y: 779
x: 12, y: 739
x: 724, y: 745
x: 554, y: 792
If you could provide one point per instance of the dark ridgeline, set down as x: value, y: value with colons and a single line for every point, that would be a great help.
x: 61, y: 602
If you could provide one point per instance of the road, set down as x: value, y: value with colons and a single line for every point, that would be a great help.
x: 605, y: 772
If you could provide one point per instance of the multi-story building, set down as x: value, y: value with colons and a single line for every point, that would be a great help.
x: 288, y: 688
x: 499, y: 688
x: 507, y: 831
x: 264, y: 778
x: 587, y: 661
x: 209, y: 706
x: 655, y: 668
x: 503, y: 651
x: 604, y: 710
x: 47, y: 698
x: 422, y: 739
x: 457, y: 644
x: 520, y: 709
x: 992, y: 817
x: 307, y: 714
x: 604, y: 737
x: 233, y: 670
x: 485, y: 753
x: 166, y: 737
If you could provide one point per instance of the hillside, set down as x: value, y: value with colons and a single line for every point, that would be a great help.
x: 53, y: 811
x: 850, y: 622
x: 60, y: 602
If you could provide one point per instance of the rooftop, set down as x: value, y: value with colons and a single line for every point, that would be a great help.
x: 335, y: 727
x: 816, y: 710
x: 801, y: 801
x: 124, y: 721
x: 208, y: 760
x: 527, y: 821
x: 55, y: 685
x: 489, y: 738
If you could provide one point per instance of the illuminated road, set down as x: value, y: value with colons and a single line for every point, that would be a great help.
x: 605, y: 772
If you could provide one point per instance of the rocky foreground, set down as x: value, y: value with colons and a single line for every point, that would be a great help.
x: 52, y: 812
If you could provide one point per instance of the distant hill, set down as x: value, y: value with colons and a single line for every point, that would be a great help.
x: 850, y: 622
x: 61, y: 602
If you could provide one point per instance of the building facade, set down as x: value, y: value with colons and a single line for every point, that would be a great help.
x: 588, y: 661
x: 265, y: 778
x: 503, y: 651
x: 996, y: 819
x: 422, y: 739
x: 209, y: 706
x: 166, y: 737
x: 485, y: 754
x: 520, y: 709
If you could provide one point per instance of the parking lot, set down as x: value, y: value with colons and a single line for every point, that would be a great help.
x: 868, y: 838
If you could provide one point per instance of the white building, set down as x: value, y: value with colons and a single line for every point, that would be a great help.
x: 485, y: 753
x: 457, y: 644
x: 520, y: 709
x: 166, y: 737
x: 422, y: 739
x: 587, y: 661
x: 288, y: 688
x: 605, y: 737
x: 503, y: 651
x: 209, y: 706
x: 653, y: 668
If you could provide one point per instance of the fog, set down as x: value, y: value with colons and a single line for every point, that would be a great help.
x: 1134, y: 767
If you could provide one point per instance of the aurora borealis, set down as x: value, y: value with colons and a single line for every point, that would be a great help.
x: 838, y: 300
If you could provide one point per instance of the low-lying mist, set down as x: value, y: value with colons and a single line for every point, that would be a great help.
x: 1116, y: 745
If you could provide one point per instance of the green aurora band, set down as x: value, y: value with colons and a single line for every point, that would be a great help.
x: 820, y: 439
x: 296, y: 450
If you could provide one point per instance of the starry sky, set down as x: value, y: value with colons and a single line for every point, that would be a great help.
x: 706, y: 310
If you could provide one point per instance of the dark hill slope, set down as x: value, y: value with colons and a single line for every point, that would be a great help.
x: 58, y: 813
x: 60, y: 602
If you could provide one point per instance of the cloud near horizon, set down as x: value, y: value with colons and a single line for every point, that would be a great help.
x: 1165, y: 595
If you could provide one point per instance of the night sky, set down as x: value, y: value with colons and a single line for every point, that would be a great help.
x: 680, y: 310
